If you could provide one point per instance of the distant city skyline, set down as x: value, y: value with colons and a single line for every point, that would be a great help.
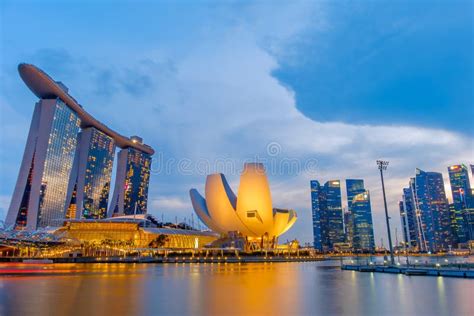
x: 338, y: 227
x: 430, y: 222
x: 223, y: 81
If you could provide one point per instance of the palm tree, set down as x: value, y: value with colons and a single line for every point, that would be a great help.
x: 159, y: 241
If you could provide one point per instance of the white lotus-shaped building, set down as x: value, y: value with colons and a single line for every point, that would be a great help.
x: 250, y: 214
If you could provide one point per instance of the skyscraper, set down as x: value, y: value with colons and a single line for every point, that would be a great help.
x: 462, y: 200
x: 131, y: 184
x: 89, y: 184
x: 316, y: 213
x: 353, y: 188
x: 327, y: 208
x: 40, y: 191
x: 363, y: 238
x: 60, y: 177
x: 348, y: 227
x: 455, y: 229
x: 408, y: 216
x: 404, y: 223
x: 433, y: 207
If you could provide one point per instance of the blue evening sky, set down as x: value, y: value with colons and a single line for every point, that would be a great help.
x: 392, y: 62
x: 330, y: 85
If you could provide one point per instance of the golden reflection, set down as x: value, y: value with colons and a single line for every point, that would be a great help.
x: 236, y: 286
x: 440, y: 287
x: 402, y: 295
x: 227, y: 289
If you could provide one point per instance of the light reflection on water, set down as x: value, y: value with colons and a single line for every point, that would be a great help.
x: 314, y: 288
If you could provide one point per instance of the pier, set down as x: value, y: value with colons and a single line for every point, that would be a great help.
x: 458, y: 271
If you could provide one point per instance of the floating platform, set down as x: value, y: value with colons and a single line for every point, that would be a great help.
x: 413, y: 271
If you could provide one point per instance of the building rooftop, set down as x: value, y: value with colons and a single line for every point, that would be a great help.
x: 44, y: 87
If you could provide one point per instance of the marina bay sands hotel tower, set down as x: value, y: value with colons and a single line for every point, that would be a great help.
x: 66, y: 171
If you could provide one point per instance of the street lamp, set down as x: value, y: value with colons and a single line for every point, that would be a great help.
x: 382, y: 165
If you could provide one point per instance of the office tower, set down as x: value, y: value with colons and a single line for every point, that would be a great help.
x: 404, y: 222
x: 363, y: 231
x: 348, y: 227
x: 327, y: 206
x: 89, y: 184
x: 60, y: 177
x: 409, y: 219
x: 131, y: 184
x: 316, y: 213
x: 353, y: 188
x: 420, y: 231
x: 71, y: 210
x: 333, y: 211
x: 455, y: 229
x: 462, y: 200
x: 471, y: 210
x: 433, y: 207
x: 40, y: 192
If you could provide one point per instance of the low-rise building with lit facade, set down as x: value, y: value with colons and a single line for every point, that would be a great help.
x: 140, y: 231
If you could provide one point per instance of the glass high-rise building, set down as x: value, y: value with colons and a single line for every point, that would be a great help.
x: 407, y: 208
x: 327, y: 205
x: 316, y: 213
x: 404, y: 223
x: 348, y: 227
x: 55, y: 181
x: 462, y: 200
x: 363, y: 231
x: 90, y: 181
x: 454, y: 224
x: 334, y: 217
x: 433, y: 207
x: 353, y: 188
x: 131, y: 185
x: 40, y: 192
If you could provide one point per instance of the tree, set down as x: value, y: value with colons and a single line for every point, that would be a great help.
x: 159, y: 241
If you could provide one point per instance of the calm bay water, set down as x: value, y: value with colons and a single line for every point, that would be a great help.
x: 313, y: 288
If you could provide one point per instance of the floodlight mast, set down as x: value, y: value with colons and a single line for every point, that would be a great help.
x: 382, y: 165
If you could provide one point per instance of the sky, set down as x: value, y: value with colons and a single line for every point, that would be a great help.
x: 314, y: 90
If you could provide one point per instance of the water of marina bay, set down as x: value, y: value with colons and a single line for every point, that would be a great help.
x: 306, y: 288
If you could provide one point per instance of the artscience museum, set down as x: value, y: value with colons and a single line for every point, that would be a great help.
x: 250, y: 214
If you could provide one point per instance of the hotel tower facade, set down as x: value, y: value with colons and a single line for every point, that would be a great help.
x: 66, y: 168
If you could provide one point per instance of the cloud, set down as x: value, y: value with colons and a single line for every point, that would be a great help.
x: 169, y: 203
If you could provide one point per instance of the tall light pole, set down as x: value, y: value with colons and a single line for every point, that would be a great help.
x: 382, y: 165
